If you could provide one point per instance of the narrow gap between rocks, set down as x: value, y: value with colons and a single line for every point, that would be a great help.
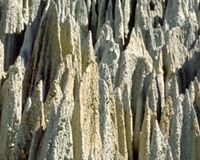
x: 187, y: 73
x: 131, y: 23
x: 113, y: 2
x: 159, y: 109
x: 47, y: 80
x: 165, y: 3
x: 97, y: 9
x: 13, y: 44
x: 90, y: 19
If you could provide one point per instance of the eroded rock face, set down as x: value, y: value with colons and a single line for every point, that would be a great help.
x: 99, y: 79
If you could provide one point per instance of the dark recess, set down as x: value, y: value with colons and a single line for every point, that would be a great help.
x: 188, y: 72
x: 96, y: 9
x: 198, y: 32
x: 164, y: 7
x: 197, y: 110
x: 131, y: 23
x: 159, y: 109
x: 199, y: 5
x: 113, y: 2
x: 13, y: 44
x: 42, y: 7
x: 152, y: 6
x: 166, y: 2
x: 47, y: 79
x: 90, y: 19
x: 0, y: 13
x: 157, y: 22
x: 19, y: 43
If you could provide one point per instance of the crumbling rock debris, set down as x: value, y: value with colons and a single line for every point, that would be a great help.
x: 99, y: 79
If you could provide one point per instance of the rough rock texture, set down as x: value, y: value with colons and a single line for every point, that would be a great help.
x: 99, y: 79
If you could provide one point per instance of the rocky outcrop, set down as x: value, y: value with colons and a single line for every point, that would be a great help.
x: 99, y: 79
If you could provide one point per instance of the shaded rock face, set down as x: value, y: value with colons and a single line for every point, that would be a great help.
x: 99, y: 79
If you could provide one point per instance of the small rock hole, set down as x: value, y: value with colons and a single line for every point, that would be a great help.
x: 152, y: 6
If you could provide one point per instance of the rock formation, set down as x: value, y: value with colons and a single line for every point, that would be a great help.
x: 99, y: 79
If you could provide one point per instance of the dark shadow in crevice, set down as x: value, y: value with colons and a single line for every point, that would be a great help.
x: 96, y: 8
x: 195, y: 41
x: 159, y: 109
x: 139, y: 94
x: 0, y: 12
x: 152, y: 6
x: 188, y: 72
x: 199, y: 6
x: 90, y: 19
x: 30, y: 72
x: 46, y: 77
x: 165, y: 3
x: 164, y: 73
x: 12, y: 47
x: 131, y: 23
x: 157, y: 22
x: 197, y: 111
x: 113, y: 11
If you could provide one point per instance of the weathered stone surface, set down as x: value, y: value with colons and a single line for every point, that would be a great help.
x: 99, y: 79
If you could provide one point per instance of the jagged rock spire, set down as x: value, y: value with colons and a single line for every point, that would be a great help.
x: 99, y: 79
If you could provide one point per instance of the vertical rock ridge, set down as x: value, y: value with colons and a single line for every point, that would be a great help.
x: 99, y: 79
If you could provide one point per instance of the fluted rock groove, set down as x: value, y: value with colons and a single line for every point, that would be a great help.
x: 99, y: 79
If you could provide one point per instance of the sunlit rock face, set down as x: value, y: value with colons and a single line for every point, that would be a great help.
x: 99, y: 79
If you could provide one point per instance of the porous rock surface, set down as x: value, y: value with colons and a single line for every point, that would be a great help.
x: 99, y: 79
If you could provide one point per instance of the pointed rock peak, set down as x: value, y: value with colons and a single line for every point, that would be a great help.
x: 109, y: 12
x: 192, y: 91
x: 81, y: 15
x: 53, y: 9
x: 174, y: 89
x: 55, y: 90
x: 87, y: 51
x: 118, y: 24
x: 70, y: 36
x: 106, y: 32
x: 118, y: 94
x: 187, y: 100
x: 196, y: 83
x: 152, y: 95
x: 91, y: 56
x: 148, y: 111
x: 160, y: 148
x: 27, y: 106
x: 156, y: 128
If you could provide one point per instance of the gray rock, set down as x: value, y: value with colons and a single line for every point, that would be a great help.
x: 99, y: 79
